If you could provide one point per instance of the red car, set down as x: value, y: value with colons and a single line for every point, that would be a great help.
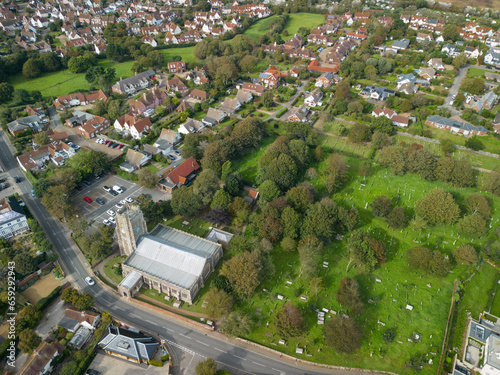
x: 120, y: 146
x: 87, y: 199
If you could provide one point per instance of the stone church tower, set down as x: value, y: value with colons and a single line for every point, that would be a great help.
x: 130, y: 224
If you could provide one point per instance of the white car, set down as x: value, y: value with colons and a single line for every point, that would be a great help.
x: 118, y: 189
x: 112, y: 220
x: 111, y: 213
x: 123, y: 202
x: 129, y: 200
x: 118, y: 206
x: 106, y: 222
x: 89, y: 280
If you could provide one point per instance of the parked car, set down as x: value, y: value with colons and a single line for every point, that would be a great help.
x: 123, y: 202
x: 77, y: 147
x: 17, y: 179
x: 177, y: 152
x: 87, y: 182
x: 129, y: 200
x: 87, y: 199
x: 78, y: 187
x: 120, y: 146
x: 118, y: 206
x: 118, y: 189
x: 110, y: 144
x: 100, y: 201
x: 170, y: 157
x: 89, y: 280
x: 92, y: 372
x: 113, y: 193
x: 112, y: 220
x: 106, y: 188
x: 115, y: 145
x: 111, y: 212
x: 106, y: 222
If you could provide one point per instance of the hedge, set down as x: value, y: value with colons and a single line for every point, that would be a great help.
x: 4, y: 349
x: 281, y: 113
x: 165, y: 358
x: 45, y: 301
x: 156, y: 363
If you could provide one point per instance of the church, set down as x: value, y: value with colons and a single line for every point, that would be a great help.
x: 171, y: 261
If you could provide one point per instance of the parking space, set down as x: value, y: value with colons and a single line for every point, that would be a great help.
x: 97, y: 212
x: 9, y: 187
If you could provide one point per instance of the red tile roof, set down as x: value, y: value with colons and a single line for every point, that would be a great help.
x: 183, y: 170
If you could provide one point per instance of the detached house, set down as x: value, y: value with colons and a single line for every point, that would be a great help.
x: 22, y: 124
x: 135, y: 159
x: 133, y: 125
x: 146, y: 101
x: 183, y: 175
x: 376, y: 93
x: 42, y: 362
x: 176, y: 85
x: 243, y: 97
x: 214, y: 116
x: 270, y: 78
x: 487, y: 101
x: 455, y: 126
x: 177, y: 67
x: 436, y: 63
x: 325, y: 80
x: 191, y: 126
x: 315, y: 98
x: 299, y: 114
x: 199, y: 95
x: 165, y: 142
x: 12, y: 218
x: 131, y: 85
x: 129, y: 345
x: 230, y: 105
x: 254, y: 89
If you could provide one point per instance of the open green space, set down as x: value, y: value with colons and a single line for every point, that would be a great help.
x: 478, y: 291
x: 476, y: 72
x: 109, y: 269
x: 186, y: 53
x: 248, y: 166
x: 491, y: 144
x: 295, y: 21
x: 197, y: 226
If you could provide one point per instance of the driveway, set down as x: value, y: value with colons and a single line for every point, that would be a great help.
x: 54, y: 117
x: 110, y: 365
x: 462, y: 73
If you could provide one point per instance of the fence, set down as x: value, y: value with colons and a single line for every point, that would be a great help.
x: 35, y: 274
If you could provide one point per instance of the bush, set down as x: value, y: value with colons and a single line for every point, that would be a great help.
x: 165, y: 358
x: 45, y: 301
x: 156, y: 363
x: 3, y: 349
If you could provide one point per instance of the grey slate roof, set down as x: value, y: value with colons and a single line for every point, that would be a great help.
x: 128, y: 343
x: 134, y: 80
x: 24, y: 123
x: 455, y: 124
x: 171, y: 255
x: 401, y: 44
x: 131, y: 279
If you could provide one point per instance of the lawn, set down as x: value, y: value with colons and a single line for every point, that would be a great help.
x: 476, y: 72
x: 152, y: 168
x: 197, y: 226
x: 248, y: 166
x: 109, y: 269
x: 186, y: 53
x: 491, y: 144
x: 295, y: 21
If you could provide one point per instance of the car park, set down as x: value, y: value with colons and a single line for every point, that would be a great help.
x: 100, y: 201
x: 87, y: 199
x: 118, y: 206
x: 118, y: 189
x: 106, y: 222
x: 113, y: 193
x: 112, y: 220
x: 106, y: 188
x: 87, y: 182
x: 129, y: 200
x: 89, y: 280
x: 111, y: 212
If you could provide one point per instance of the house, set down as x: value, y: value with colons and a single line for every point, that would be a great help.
x: 243, y: 97
x: 176, y: 67
x: 135, y: 159
x: 455, y: 126
x: 74, y: 319
x: 12, y: 218
x: 134, y: 125
x: 22, y: 124
x: 400, y: 44
x: 184, y: 106
x: 427, y: 73
x: 230, y: 105
x: 34, y: 160
x: 253, y: 88
x: 496, y: 123
x: 171, y: 261
x: 170, y: 136
x: 191, y: 126
x: 214, y: 116
x: 176, y: 85
x: 383, y: 111
x: 492, y: 57
x: 325, y: 80
x: 150, y: 40
x: 315, y: 98
x: 181, y: 175
x: 88, y: 125
x: 39, y: 111
x: 42, y: 362
x: 57, y: 136
x: 71, y: 100
x: 149, y: 100
x: 424, y: 37
x: 59, y: 151
x: 376, y: 93
x: 129, y: 345
x: 436, y: 63
x: 299, y: 114
x: 400, y: 121
x: 450, y: 49
x: 198, y: 94
x: 270, y: 78
x: 164, y: 144
x: 487, y: 101
x: 131, y: 85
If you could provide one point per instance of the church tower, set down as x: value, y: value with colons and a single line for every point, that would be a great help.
x: 130, y: 224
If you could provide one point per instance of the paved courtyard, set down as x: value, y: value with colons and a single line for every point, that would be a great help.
x: 109, y: 365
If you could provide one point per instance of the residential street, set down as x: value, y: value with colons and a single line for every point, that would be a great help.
x: 300, y: 90
x: 190, y: 344
x: 462, y: 73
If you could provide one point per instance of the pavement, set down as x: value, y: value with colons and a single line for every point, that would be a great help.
x: 188, y: 342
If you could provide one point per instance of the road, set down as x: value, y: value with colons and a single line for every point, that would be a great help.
x: 54, y: 117
x: 188, y: 343
x: 300, y: 90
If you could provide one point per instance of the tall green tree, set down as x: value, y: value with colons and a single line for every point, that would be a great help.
x: 438, y: 207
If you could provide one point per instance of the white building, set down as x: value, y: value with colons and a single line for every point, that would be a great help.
x: 12, y: 218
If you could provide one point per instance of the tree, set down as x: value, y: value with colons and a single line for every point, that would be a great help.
x: 29, y: 341
x: 185, y: 202
x: 218, y: 302
x: 450, y: 32
x: 310, y: 250
x: 389, y: 334
x: 336, y: 171
x: 32, y: 68
x: 381, y: 206
x: 371, y: 72
x: 342, y: 333
x: 267, y: 99
x: 460, y: 60
x: 431, y: 262
x: 383, y: 125
x: 320, y: 219
x: 379, y: 140
x: 473, y: 86
x: 361, y: 252
x: 359, y: 133
x: 283, y: 171
x: 438, y: 207
x: 221, y: 199
x: 477, y: 203
x: 473, y: 226
x: 29, y: 317
x: 25, y: 263
x: 418, y: 224
x: 474, y: 143
x: 89, y: 162
x: 236, y: 324
x: 343, y: 90
x: 354, y: 107
x: 69, y: 368
x: 148, y: 178
x: 40, y: 187
x: 248, y: 63
x: 397, y: 218
x: 6, y: 92
x: 243, y: 272
x: 234, y: 183
x: 289, y: 321
x: 465, y: 254
x: 300, y: 198
x: 492, y: 183
x: 227, y: 169
x: 349, y: 295
x: 447, y: 146
x: 291, y: 220
x: 205, y: 185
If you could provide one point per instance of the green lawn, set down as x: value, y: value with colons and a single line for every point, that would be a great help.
x: 476, y: 72
x: 187, y: 53
x: 248, y: 166
x: 197, y: 226
x: 152, y: 168
x: 495, y: 308
x: 109, y: 269
x: 491, y: 144
x: 296, y: 21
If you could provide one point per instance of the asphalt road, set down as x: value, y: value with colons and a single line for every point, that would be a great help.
x: 189, y: 345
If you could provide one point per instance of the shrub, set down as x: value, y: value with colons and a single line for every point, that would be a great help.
x: 156, y: 363
x: 165, y: 358
x: 45, y: 301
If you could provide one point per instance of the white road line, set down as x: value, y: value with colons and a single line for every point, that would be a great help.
x: 281, y: 372
x: 259, y: 364
x: 185, y: 336
x: 219, y: 350
x: 119, y: 308
x: 149, y: 321
x: 202, y: 343
x: 237, y: 356
x: 170, y: 330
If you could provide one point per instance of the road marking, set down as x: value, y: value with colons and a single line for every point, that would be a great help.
x: 281, y: 372
x: 184, y: 349
x: 119, y: 308
x: 237, y: 356
x: 149, y: 321
x: 185, y: 336
x: 202, y: 343
x: 259, y: 364
x: 220, y: 350
x: 170, y: 330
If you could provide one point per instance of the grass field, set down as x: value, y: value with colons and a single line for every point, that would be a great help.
x: 187, y: 53
x: 476, y: 72
x: 492, y: 4
x: 295, y: 21
x: 491, y: 144
x: 108, y: 269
